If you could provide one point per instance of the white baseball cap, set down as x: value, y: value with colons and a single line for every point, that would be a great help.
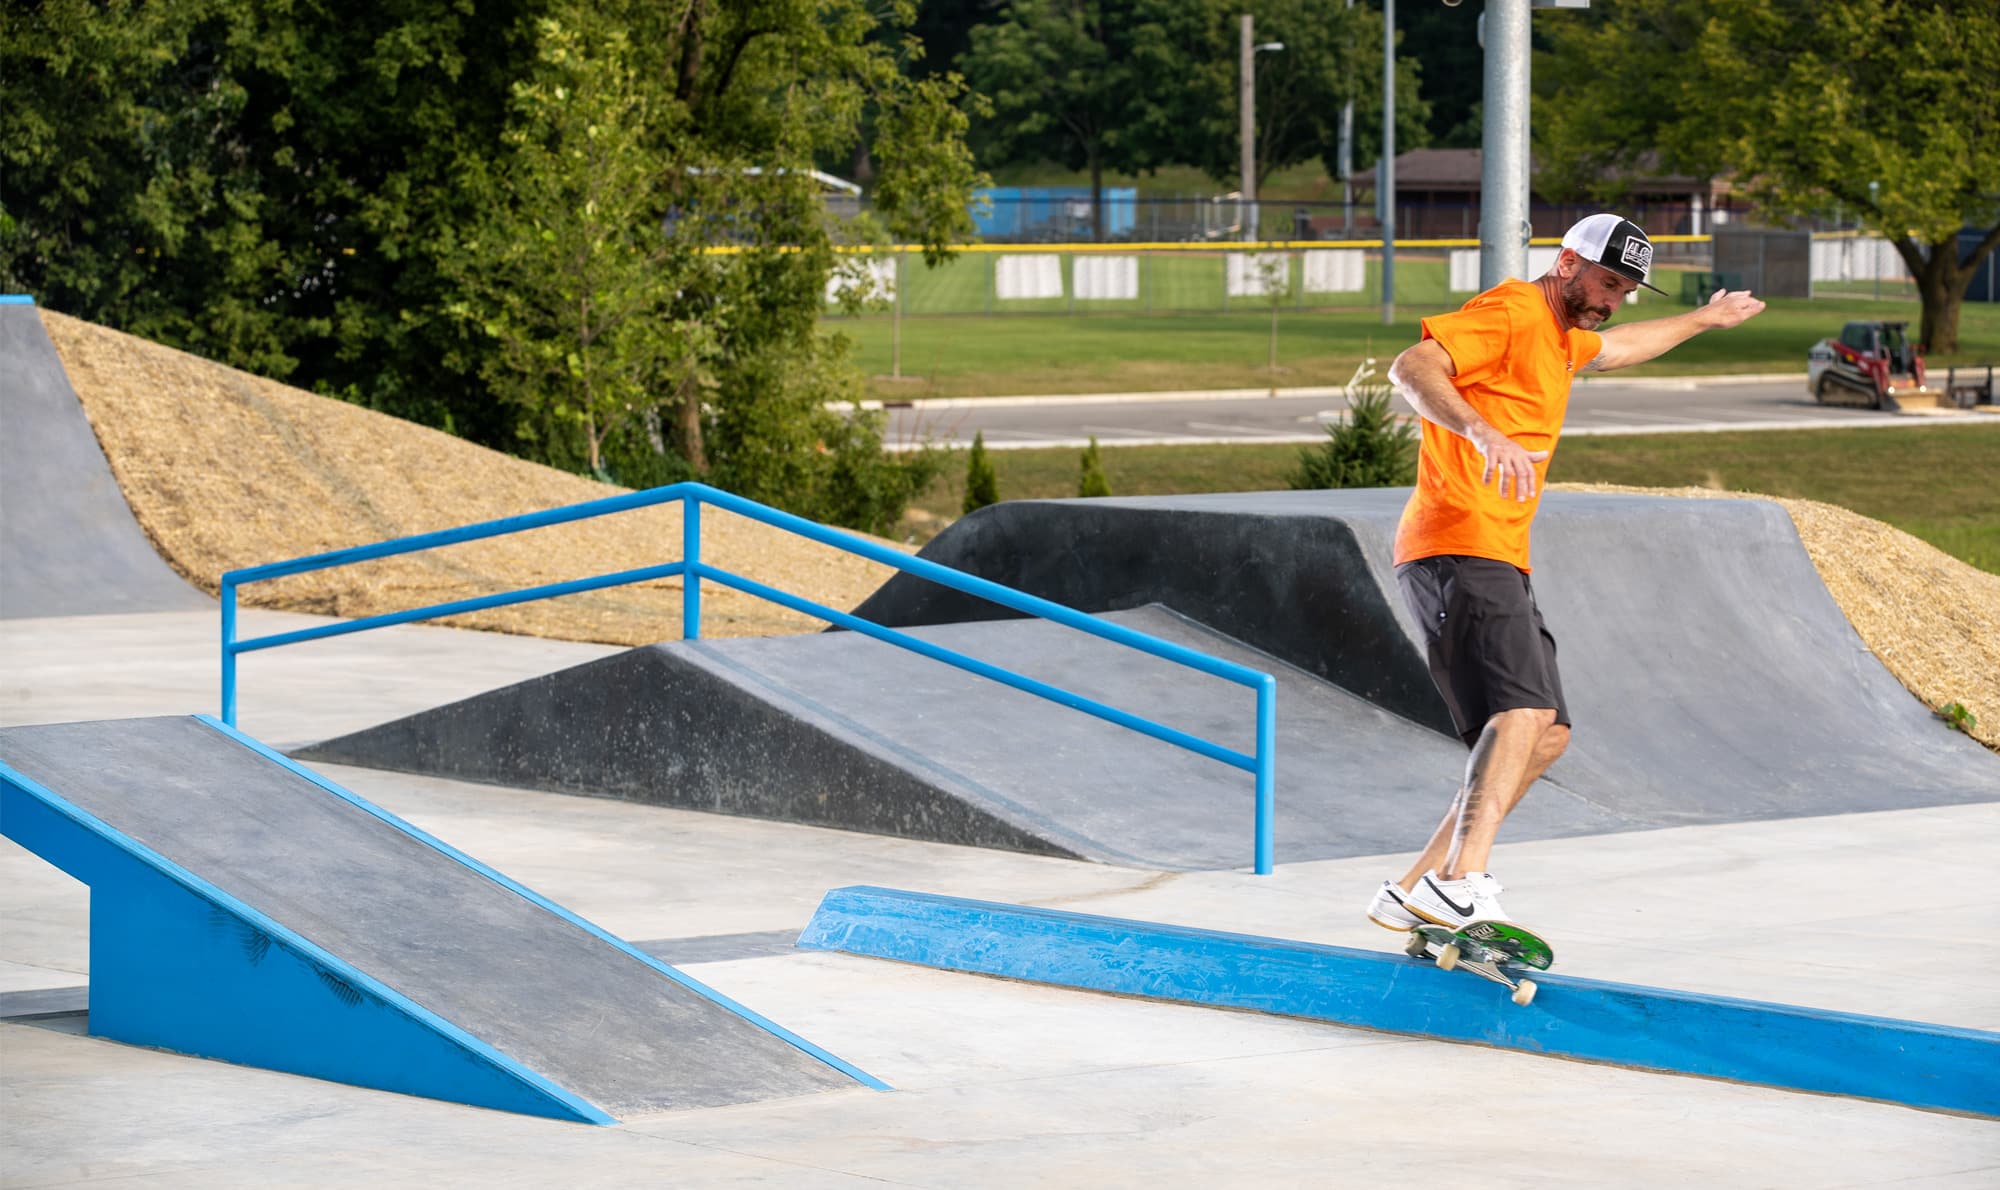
x: 1614, y: 243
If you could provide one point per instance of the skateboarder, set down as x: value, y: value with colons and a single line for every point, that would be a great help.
x: 1491, y: 382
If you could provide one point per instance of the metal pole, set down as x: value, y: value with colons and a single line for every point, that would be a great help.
x: 1346, y: 164
x: 1246, y: 120
x: 1264, y: 846
x: 691, y: 558
x: 1503, y: 182
x: 229, y: 653
x: 1385, y: 174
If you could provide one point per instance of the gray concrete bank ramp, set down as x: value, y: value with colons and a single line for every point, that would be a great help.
x: 1710, y: 674
x: 247, y: 909
x: 68, y: 542
x: 839, y: 730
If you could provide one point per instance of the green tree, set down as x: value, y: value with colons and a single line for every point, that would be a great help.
x: 1367, y: 448
x: 319, y: 194
x: 568, y: 269
x: 982, y: 483
x: 1061, y: 80
x: 1091, y: 481
x: 1881, y: 107
x: 1187, y: 58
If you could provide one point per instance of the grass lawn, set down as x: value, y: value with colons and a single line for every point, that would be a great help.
x: 1941, y: 484
x: 986, y: 355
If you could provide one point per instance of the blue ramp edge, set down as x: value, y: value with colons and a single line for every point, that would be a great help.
x: 1907, y: 1062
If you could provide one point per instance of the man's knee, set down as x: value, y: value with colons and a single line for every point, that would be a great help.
x: 1554, y: 741
x: 1540, y: 720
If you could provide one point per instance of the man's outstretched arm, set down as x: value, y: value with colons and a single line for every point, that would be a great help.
x: 1637, y: 342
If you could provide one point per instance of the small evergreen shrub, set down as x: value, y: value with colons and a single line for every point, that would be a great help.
x: 1092, y: 482
x: 982, y: 483
x: 1368, y: 448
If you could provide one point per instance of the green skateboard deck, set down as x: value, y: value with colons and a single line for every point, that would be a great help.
x: 1495, y: 950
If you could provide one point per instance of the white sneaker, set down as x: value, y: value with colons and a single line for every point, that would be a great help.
x: 1456, y: 903
x: 1388, y: 911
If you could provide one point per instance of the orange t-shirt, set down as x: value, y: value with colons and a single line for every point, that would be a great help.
x: 1514, y: 364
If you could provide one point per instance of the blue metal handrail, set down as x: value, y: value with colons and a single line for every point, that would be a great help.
x: 693, y: 570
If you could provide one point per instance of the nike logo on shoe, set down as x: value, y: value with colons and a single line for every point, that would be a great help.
x: 1454, y: 906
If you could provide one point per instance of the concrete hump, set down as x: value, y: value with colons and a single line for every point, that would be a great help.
x: 840, y: 730
x: 1710, y: 675
x: 68, y: 542
x: 247, y: 909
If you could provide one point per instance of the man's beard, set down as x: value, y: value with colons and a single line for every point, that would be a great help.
x: 1576, y: 303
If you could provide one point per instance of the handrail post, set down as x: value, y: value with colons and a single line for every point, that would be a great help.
x: 1267, y: 752
x: 691, y: 557
x: 229, y: 652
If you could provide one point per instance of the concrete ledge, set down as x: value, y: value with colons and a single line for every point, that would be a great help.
x: 1776, y: 1045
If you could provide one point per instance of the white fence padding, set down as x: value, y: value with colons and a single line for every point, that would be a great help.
x: 1464, y: 270
x: 1335, y: 270
x: 1247, y: 277
x: 874, y: 278
x: 1032, y: 276
x: 1464, y: 266
x: 1105, y: 278
x: 1868, y: 258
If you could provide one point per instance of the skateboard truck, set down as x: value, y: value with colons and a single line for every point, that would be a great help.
x: 1488, y: 950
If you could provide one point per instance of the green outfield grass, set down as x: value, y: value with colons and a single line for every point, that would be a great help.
x: 1941, y: 484
x: 986, y: 355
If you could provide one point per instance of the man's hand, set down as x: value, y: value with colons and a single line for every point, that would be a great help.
x: 1507, y: 459
x: 1726, y: 309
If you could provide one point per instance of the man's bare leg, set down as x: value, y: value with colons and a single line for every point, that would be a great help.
x: 1489, y: 756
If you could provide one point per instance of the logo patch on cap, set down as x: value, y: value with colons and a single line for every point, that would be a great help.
x: 1639, y: 254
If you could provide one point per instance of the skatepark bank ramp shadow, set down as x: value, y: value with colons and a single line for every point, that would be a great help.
x: 245, y: 908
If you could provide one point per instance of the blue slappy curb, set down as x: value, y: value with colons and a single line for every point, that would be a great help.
x: 1776, y: 1045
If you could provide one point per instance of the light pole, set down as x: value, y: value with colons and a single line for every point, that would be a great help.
x: 1385, y: 174
x: 1504, y: 227
x: 1246, y: 117
x: 1346, y: 164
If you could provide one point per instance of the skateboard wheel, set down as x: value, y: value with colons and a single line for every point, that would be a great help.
x: 1524, y: 992
x: 1448, y: 956
x: 1416, y: 946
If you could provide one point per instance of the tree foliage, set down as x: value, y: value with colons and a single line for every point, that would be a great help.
x: 1131, y: 86
x: 419, y: 206
x: 1367, y: 448
x: 1188, y: 50
x: 1807, y: 104
x: 1063, y: 86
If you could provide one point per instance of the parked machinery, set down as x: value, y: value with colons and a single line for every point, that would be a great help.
x: 1869, y: 365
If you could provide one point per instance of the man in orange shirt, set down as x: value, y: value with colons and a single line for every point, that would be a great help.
x: 1491, y: 382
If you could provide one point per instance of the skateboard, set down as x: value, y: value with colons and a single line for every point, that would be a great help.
x: 1488, y: 949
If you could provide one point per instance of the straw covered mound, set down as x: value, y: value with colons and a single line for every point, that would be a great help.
x: 225, y: 470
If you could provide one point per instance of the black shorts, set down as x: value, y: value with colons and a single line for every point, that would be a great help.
x: 1488, y: 648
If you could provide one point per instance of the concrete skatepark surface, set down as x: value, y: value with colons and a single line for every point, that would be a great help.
x: 1001, y: 1083
x: 69, y: 542
x: 1802, y: 899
